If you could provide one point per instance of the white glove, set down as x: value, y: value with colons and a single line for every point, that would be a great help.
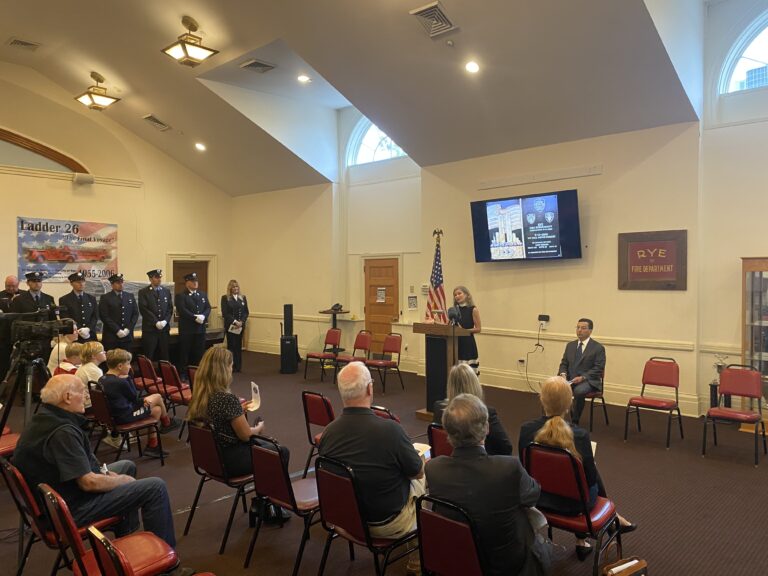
x: 123, y: 333
x: 160, y: 324
x: 199, y: 318
x: 84, y: 333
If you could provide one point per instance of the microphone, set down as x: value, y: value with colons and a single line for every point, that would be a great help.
x: 454, y: 314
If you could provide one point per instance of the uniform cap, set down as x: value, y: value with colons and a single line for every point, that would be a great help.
x: 115, y: 278
x: 34, y: 276
x: 191, y: 276
x: 76, y: 277
x: 156, y: 272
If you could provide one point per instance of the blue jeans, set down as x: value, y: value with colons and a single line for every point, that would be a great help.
x: 149, y: 495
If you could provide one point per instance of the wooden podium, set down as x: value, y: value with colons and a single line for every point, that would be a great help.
x: 441, y: 355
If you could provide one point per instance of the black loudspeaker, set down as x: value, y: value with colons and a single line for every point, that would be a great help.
x: 289, y: 354
x: 288, y: 319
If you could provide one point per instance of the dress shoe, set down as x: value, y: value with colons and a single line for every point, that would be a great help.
x: 628, y: 528
x: 582, y: 552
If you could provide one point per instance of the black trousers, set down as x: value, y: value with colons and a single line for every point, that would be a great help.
x: 191, y: 349
x: 235, y: 345
x: 154, y: 344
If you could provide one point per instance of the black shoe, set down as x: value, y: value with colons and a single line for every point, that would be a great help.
x: 582, y: 552
x: 154, y: 452
x: 174, y: 425
x: 276, y: 515
x: 628, y: 528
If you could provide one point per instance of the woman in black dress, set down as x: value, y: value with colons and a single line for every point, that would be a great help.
x: 470, y: 319
x: 234, y: 308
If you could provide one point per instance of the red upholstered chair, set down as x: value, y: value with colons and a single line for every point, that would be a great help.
x: 113, y: 557
x: 208, y: 463
x: 273, y: 484
x: 393, y: 343
x: 658, y: 371
x: 8, y: 443
x: 328, y: 356
x: 362, y: 345
x: 438, y: 441
x: 385, y: 413
x: 447, y: 546
x: 174, y: 391
x: 597, y: 395
x: 559, y: 473
x: 191, y: 373
x: 104, y: 417
x: 342, y: 516
x: 318, y: 412
x: 737, y: 380
x: 144, y: 552
x: 34, y: 518
x: 150, y: 382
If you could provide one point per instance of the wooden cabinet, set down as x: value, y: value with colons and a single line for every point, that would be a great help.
x: 754, y: 342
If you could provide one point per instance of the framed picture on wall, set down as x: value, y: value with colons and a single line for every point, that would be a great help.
x: 653, y: 260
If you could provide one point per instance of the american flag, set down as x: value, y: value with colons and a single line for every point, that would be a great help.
x: 436, y: 299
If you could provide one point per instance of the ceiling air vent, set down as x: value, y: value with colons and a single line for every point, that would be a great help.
x: 156, y: 122
x: 257, y: 66
x: 23, y: 44
x: 434, y: 19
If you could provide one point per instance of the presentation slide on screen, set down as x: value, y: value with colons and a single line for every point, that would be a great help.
x: 521, y: 228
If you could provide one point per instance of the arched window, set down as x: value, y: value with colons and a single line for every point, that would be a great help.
x: 746, y: 66
x: 369, y: 144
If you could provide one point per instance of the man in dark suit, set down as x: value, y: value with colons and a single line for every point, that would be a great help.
x: 193, y: 309
x: 81, y: 307
x: 494, y: 490
x: 156, y: 307
x: 583, y: 365
x: 11, y: 291
x: 119, y: 314
x: 6, y: 346
x: 34, y: 299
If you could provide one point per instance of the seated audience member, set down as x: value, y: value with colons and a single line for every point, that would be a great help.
x: 124, y: 401
x: 552, y: 429
x: 92, y: 354
x: 72, y: 359
x: 54, y: 448
x: 463, y: 380
x: 493, y: 490
x: 59, y: 349
x: 389, y: 471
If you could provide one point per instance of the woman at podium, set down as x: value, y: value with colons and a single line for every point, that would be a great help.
x: 469, y: 318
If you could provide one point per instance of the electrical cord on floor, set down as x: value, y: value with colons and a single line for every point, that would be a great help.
x: 536, y: 348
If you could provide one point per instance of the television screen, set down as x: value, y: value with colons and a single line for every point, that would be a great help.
x: 543, y: 226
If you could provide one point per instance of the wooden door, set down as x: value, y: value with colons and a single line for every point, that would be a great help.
x: 183, y: 267
x: 382, y: 298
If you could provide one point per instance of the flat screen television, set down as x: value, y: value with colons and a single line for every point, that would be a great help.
x: 537, y: 227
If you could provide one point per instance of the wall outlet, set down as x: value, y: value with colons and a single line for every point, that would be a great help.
x: 543, y: 325
x: 521, y: 361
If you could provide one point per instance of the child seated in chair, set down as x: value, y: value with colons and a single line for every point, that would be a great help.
x: 72, y: 359
x: 124, y: 402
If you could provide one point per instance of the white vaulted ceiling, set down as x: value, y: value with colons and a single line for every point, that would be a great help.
x: 551, y: 71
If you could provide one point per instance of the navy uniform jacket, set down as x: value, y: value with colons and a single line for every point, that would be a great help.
x: 591, y: 366
x: 6, y: 298
x: 234, y: 310
x: 155, y: 304
x: 85, y: 316
x: 187, y: 306
x: 117, y: 313
x: 25, y: 303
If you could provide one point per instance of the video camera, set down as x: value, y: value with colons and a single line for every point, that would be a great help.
x: 23, y: 330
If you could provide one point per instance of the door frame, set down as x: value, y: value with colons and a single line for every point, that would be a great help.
x: 383, y: 256
x: 212, y: 261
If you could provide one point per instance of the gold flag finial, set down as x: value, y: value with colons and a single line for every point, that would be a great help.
x: 437, y: 232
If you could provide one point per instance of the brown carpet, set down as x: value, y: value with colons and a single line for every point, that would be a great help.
x: 698, y: 516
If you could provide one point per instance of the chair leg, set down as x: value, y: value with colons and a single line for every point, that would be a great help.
x: 680, y: 422
x: 326, y: 549
x: 704, y: 438
x: 309, y: 459
x: 194, y: 505
x: 262, y: 512
x: 757, y: 427
x: 383, y: 380
x: 605, y: 411
x: 306, y: 365
x: 351, y: 550
x: 765, y: 446
x: 669, y: 427
x: 58, y: 565
x: 637, y: 413
x: 304, y: 538
x: 376, y: 564
x: 27, y: 548
x: 402, y: 385
x: 714, y: 430
x: 181, y: 428
x: 626, y: 423
x: 231, y: 519
x: 125, y: 440
x: 591, y: 412
x: 322, y: 369
x: 159, y: 443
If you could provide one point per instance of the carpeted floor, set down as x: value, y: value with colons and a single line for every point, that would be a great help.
x: 698, y: 516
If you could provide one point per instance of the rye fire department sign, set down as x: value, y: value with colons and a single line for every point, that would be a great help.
x: 653, y: 260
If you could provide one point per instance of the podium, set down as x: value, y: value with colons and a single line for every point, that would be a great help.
x: 441, y: 354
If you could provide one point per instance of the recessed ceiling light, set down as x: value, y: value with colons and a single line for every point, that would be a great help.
x: 200, y: 146
x: 472, y: 67
x: 304, y: 79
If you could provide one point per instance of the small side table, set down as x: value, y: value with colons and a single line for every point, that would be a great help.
x: 334, y: 313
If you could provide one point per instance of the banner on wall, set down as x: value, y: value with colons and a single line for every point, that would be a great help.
x: 60, y: 247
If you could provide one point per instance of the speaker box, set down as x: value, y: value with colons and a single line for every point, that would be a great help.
x: 288, y: 319
x: 289, y: 354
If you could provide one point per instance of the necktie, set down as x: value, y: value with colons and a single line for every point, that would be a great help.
x: 579, y: 352
x: 37, y: 299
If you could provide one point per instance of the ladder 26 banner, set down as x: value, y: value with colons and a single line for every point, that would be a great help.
x: 60, y: 247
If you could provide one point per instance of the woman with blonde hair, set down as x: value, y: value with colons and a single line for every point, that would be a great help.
x: 463, y: 380
x: 552, y: 429
x: 234, y: 308
x: 469, y: 318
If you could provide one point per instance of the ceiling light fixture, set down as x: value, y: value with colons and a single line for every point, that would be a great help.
x: 200, y: 146
x: 189, y: 49
x: 304, y: 79
x: 472, y: 67
x: 96, y: 97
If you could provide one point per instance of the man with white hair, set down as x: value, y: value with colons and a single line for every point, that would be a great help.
x: 493, y: 490
x: 389, y: 471
x: 54, y: 448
